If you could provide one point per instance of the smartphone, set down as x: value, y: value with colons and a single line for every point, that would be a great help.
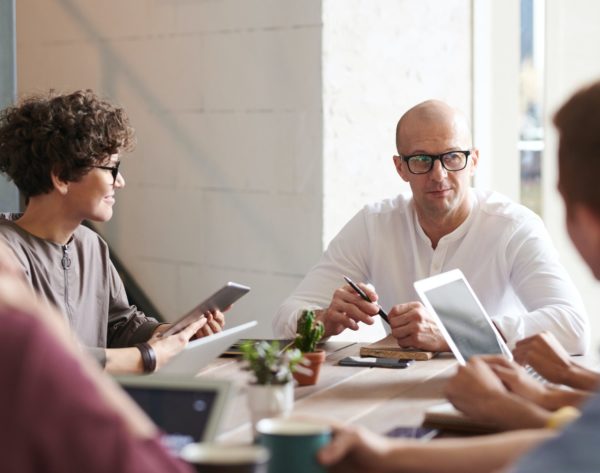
x: 220, y: 300
x: 375, y: 362
x: 422, y: 433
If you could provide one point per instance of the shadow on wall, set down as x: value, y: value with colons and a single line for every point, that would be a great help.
x: 114, y: 69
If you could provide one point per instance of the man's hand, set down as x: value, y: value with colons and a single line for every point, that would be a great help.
x: 475, y: 389
x: 355, y: 449
x: 414, y: 327
x: 517, y: 380
x: 544, y: 353
x: 347, y: 308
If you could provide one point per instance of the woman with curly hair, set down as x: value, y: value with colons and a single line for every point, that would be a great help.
x: 63, y: 153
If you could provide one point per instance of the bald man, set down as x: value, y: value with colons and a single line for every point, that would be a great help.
x: 442, y: 224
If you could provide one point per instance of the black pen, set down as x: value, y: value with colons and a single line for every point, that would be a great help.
x: 362, y: 294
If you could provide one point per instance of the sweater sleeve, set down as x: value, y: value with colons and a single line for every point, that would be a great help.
x: 53, y: 416
x: 126, y: 324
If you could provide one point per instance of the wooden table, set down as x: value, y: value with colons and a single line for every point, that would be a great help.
x: 378, y: 398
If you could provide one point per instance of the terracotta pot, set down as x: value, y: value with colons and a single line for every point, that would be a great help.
x: 315, y: 360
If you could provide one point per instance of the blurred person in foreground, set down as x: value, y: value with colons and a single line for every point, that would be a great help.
x: 59, y: 412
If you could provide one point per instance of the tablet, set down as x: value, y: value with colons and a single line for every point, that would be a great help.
x: 187, y: 409
x: 201, y: 352
x: 464, y: 323
x: 220, y: 300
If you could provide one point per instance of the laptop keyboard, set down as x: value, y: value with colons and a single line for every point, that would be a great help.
x: 535, y: 375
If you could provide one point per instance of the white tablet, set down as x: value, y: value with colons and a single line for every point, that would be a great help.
x: 464, y: 323
x: 220, y: 300
x: 199, y: 353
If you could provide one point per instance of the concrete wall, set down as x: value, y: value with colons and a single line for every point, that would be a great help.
x: 246, y: 145
x: 379, y: 59
x: 225, y: 95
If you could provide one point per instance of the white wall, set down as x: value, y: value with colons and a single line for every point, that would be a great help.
x: 226, y: 181
x: 379, y: 59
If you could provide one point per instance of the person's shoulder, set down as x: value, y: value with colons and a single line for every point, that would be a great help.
x: 398, y: 204
x: 9, y: 230
x: 496, y: 205
x: 86, y: 237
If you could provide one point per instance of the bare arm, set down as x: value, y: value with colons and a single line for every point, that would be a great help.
x: 356, y: 449
x: 547, y: 356
x: 129, y: 360
x: 481, y: 394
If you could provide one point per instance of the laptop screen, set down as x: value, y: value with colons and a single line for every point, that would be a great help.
x: 464, y: 319
x: 182, y: 414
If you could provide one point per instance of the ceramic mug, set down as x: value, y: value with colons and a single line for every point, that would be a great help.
x: 216, y: 458
x: 293, y: 444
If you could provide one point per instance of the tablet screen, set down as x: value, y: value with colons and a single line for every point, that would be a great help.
x: 182, y: 414
x: 467, y: 324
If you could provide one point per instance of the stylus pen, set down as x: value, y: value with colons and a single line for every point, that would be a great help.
x: 362, y: 294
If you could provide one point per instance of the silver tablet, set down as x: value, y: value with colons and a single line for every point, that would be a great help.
x: 464, y: 323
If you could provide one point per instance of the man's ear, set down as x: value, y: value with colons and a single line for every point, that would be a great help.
x: 62, y: 187
x: 474, y: 156
x: 401, y: 168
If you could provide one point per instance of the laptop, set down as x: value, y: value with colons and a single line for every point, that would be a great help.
x: 199, y: 353
x: 464, y: 323
x: 186, y: 409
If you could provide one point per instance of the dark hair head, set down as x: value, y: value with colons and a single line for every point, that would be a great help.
x: 578, y: 123
x: 60, y: 134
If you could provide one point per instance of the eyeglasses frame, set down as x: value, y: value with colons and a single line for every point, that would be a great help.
x: 434, y: 158
x: 114, y: 170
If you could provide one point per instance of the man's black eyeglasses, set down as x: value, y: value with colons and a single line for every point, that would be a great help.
x: 423, y: 163
x: 114, y: 170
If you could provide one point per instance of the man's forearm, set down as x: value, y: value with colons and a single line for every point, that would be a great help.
x: 555, y: 398
x: 579, y: 377
x: 477, y: 454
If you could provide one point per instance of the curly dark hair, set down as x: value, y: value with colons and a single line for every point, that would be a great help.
x: 60, y: 134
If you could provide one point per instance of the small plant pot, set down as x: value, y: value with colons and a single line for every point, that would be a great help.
x: 315, y: 360
x: 269, y: 400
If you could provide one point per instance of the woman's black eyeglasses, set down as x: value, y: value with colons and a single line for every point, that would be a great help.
x: 114, y: 170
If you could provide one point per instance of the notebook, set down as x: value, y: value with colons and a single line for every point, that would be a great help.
x: 199, y: 353
x: 388, y: 348
x: 186, y: 409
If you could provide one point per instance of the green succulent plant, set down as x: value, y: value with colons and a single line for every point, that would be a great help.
x: 269, y: 363
x: 308, y: 332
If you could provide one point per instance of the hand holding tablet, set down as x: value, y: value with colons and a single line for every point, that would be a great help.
x: 220, y: 300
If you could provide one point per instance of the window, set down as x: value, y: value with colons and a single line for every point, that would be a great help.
x: 531, y: 92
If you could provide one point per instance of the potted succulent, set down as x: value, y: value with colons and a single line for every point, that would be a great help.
x: 308, y: 333
x: 272, y: 392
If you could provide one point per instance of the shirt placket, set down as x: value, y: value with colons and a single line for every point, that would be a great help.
x: 438, y: 259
